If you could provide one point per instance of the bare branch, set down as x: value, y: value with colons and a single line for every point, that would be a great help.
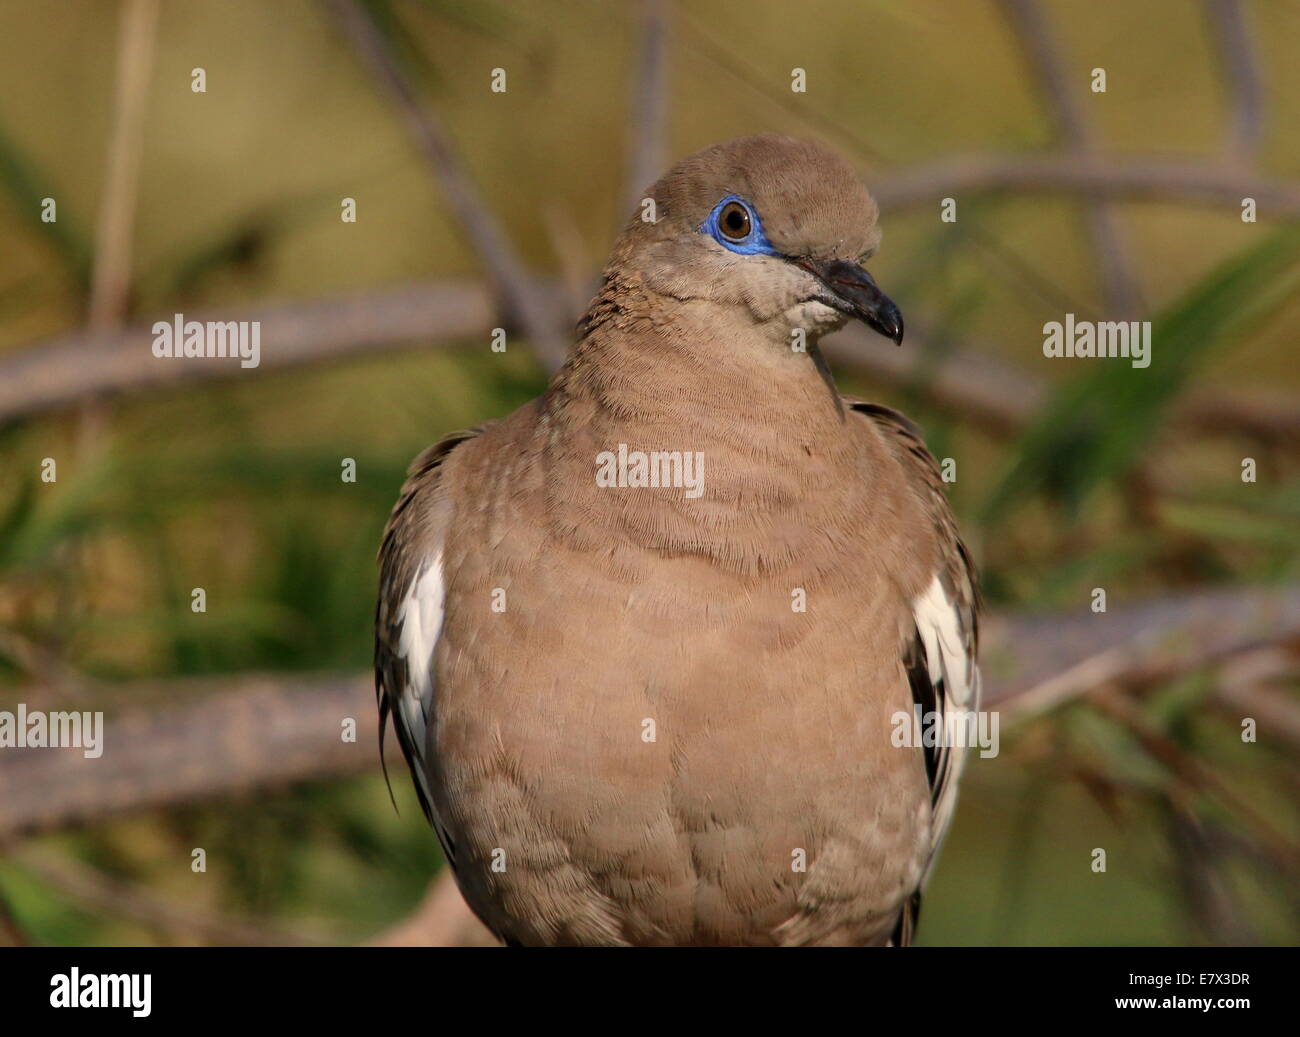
x: 1266, y: 416
x: 1104, y: 176
x: 1002, y: 398
x: 269, y: 732
x: 649, y: 145
x: 65, y: 370
x: 531, y: 307
x: 1137, y: 663
x: 265, y: 732
x: 1035, y: 36
x: 1245, y: 92
x: 1114, y: 262
x: 979, y: 387
x: 112, y: 273
x: 1040, y: 661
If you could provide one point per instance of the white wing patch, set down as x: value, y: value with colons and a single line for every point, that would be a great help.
x: 955, y: 678
x: 420, y: 615
x: 948, y: 653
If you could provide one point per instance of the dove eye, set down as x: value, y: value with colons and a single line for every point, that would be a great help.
x: 734, y: 221
x: 735, y: 225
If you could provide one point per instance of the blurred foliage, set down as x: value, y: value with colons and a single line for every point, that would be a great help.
x: 236, y: 487
x: 1099, y: 426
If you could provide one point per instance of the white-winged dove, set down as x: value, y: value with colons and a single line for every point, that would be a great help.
x: 645, y: 641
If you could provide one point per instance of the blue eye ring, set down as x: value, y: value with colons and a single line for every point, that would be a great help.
x: 754, y: 243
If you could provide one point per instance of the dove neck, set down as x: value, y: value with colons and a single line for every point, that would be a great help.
x: 695, y: 370
x: 681, y: 437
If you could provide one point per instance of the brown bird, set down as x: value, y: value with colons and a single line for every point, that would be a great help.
x: 647, y: 641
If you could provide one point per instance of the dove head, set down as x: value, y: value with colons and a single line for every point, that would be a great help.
x: 773, y: 227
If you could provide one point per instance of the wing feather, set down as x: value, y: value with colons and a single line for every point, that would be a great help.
x: 409, y: 617
x: 940, y: 651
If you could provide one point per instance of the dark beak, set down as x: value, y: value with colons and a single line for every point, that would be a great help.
x: 851, y: 290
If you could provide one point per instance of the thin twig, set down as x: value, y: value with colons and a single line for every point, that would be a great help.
x: 1140, y: 663
x: 649, y: 143
x: 1199, y: 864
x: 1197, y: 775
x: 531, y: 307
x: 112, y: 274
x: 1244, y: 690
x: 1241, y: 72
x: 1114, y: 262
x: 1200, y: 183
x: 717, y: 57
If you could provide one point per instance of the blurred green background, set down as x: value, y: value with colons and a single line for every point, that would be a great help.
x: 234, y: 486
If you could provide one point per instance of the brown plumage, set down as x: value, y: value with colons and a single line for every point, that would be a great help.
x: 621, y: 725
